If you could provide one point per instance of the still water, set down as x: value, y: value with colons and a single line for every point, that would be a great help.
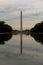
x: 32, y: 50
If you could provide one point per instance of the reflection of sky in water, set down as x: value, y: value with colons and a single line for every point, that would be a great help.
x: 32, y: 51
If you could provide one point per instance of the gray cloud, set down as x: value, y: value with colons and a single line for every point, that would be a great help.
x: 32, y: 9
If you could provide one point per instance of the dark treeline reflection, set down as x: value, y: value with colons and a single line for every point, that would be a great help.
x: 4, y: 37
x: 5, y: 32
x: 38, y: 37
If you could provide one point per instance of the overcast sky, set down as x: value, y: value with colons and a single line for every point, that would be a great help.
x: 32, y: 12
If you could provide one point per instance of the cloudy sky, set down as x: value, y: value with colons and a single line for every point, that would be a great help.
x: 32, y: 12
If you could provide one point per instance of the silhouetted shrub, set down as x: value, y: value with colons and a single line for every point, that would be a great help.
x: 5, y: 27
x: 38, y: 27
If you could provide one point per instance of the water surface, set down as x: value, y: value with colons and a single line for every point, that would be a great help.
x: 32, y: 51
